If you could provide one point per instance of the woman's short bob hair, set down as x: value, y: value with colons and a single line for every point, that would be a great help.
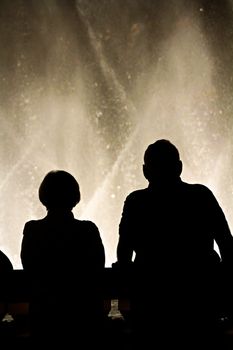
x: 59, y: 189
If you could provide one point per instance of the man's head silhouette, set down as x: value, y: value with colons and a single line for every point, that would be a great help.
x: 162, y: 162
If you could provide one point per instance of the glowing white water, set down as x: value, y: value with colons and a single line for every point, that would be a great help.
x: 93, y: 115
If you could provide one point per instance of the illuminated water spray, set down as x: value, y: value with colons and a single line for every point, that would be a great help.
x: 86, y: 86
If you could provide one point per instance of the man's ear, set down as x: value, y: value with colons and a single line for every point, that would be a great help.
x: 145, y: 171
x: 179, y: 167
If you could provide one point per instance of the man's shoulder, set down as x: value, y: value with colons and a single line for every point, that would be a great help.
x: 195, y: 186
x: 185, y: 187
x: 196, y: 189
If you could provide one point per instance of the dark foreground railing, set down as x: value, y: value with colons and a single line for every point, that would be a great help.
x: 15, y: 291
x: 14, y: 307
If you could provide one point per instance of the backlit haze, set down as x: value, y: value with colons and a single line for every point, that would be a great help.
x: 86, y: 85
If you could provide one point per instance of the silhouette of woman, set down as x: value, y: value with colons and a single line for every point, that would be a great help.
x: 64, y: 258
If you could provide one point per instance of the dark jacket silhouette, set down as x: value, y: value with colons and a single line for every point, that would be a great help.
x: 65, y: 259
x: 171, y: 227
x: 6, y: 268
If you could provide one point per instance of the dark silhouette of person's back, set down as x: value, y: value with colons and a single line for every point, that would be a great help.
x: 65, y: 258
x: 6, y: 268
x: 5, y: 263
x: 171, y: 227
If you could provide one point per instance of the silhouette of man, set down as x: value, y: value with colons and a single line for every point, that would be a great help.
x: 65, y: 258
x: 171, y: 227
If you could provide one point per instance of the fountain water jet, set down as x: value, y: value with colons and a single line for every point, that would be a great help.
x: 86, y: 86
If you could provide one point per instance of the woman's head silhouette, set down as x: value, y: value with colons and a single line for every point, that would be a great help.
x: 59, y: 190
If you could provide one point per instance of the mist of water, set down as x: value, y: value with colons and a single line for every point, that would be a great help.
x: 87, y: 85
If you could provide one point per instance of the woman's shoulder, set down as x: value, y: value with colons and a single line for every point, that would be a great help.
x: 33, y: 225
x: 86, y: 224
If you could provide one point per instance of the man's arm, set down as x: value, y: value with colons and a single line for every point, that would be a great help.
x: 222, y: 233
x: 126, y: 229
